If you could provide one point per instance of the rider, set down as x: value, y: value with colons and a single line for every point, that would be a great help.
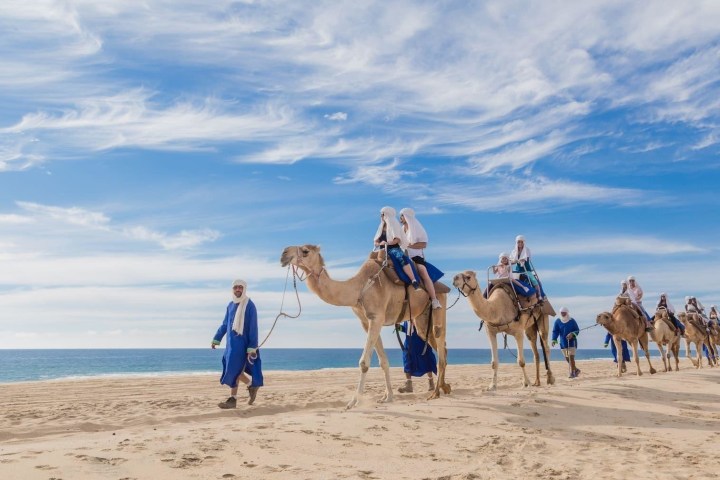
x: 417, y: 240
x: 520, y: 258
x: 390, y: 234
x: 663, y: 302
x: 503, y: 270
x: 635, y: 293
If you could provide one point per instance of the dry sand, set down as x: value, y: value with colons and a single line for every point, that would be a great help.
x: 597, y: 426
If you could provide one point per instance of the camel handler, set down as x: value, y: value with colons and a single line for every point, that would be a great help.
x: 415, y: 364
x: 613, y: 349
x: 241, y: 357
x: 567, y: 330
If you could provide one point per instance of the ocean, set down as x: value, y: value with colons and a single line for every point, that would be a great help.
x: 32, y: 365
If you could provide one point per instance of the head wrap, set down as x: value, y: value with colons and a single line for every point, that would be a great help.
x: 630, y: 278
x: 623, y: 282
x: 687, y: 299
x: 238, y: 324
x: 393, y: 229
x: 669, y: 305
x: 564, y: 310
x: 503, y: 255
x: 415, y: 232
x: 519, y: 238
x: 564, y: 315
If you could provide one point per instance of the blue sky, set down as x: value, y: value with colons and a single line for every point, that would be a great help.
x: 151, y: 153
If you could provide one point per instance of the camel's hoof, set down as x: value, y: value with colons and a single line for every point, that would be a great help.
x: 536, y: 383
x: 525, y: 384
x: 618, y: 375
x: 446, y: 389
x: 491, y: 388
x: 551, y: 379
x: 435, y: 394
x: 639, y: 374
x: 386, y: 399
x: 653, y: 371
x: 352, y: 403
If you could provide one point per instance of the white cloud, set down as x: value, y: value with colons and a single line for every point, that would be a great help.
x: 81, y: 217
x: 337, y: 116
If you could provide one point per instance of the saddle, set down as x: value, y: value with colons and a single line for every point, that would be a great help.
x: 696, y: 321
x: 379, y: 257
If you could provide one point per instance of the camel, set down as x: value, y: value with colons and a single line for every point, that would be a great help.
x: 499, y: 312
x: 377, y: 302
x: 694, y: 333
x: 624, y: 323
x: 664, y: 334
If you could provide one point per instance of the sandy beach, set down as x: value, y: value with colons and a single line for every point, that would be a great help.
x: 597, y: 426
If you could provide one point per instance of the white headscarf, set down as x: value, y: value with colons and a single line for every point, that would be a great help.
x: 415, y: 232
x: 564, y: 318
x: 521, y: 256
x: 503, y: 255
x: 239, y: 321
x: 669, y: 305
x: 393, y: 227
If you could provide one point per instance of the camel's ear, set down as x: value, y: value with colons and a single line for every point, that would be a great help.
x: 470, y: 273
x: 314, y: 248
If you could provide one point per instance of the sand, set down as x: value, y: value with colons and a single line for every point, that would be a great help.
x: 597, y: 426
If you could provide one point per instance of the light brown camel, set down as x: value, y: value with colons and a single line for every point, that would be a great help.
x: 625, y: 324
x: 694, y: 333
x: 499, y: 312
x: 377, y: 302
x: 664, y: 334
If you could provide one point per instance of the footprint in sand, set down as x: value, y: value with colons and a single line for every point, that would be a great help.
x: 45, y: 467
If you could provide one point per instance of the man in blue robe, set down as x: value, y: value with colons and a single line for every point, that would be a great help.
x: 415, y: 364
x: 613, y: 349
x: 241, y: 360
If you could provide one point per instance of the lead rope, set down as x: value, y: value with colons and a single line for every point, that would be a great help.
x: 251, y: 357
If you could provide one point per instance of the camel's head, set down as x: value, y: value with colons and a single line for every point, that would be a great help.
x: 306, y: 257
x: 604, y: 319
x: 661, y: 313
x: 682, y: 317
x: 466, y: 282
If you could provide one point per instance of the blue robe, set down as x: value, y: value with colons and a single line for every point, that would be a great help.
x: 561, y: 331
x: 235, y: 357
x: 414, y: 362
x: 613, y: 348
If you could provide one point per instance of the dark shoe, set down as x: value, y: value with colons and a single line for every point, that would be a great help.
x: 252, y: 393
x: 407, y: 388
x: 416, y: 285
x: 577, y: 372
x: 649, y: 329
x: 229, y: 403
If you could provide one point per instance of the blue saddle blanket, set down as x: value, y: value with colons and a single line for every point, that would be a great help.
x: 435, y: 273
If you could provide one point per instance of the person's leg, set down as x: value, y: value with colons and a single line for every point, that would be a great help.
x: 427, y: 281
x: 431, y: 382
x: 408, y: 387
x: 573, y: 369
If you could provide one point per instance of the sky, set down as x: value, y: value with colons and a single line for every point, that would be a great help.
x: 152, y: 152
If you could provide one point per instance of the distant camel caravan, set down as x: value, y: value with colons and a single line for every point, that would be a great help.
x: 377, y: 302
x: 501, y: 314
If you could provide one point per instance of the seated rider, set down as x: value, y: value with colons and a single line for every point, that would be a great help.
x: 390, y: 234
x: 663, y: 302
x: 504, y: 270
x: 627, y: 293
x: 713, y: 315
x: 520, y: 258
x: 636, y: 294
x: 417, y: 240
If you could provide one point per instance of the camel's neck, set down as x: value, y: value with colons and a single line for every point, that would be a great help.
x: 340, y: 293
x: 497, y: 309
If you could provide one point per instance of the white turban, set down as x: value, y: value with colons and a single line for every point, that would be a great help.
x: 519, y: 237
x: 238, y: 324
x: 415, y: 232
x: 393, y: 227
x: 623, y: 282
x: 687, y: 299
x: 503, y: 255
x: 630, y: 278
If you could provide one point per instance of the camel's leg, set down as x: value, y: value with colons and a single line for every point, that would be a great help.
x: 519, y: 338
x: 372, y: 338
x: 494, y: 362
x: 544, y: 335
x: 666, y: 362
x: 688, y: 353
x: 532, y: 338
x: 618, y: 349
x: 636, y: 358
x: 699, y: 346
x: 440, y: 335
x: 385, y: 365
x: 645, y: 343
x: 676, y: 354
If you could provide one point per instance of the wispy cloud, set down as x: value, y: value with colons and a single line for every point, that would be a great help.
x: 99, y: 221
